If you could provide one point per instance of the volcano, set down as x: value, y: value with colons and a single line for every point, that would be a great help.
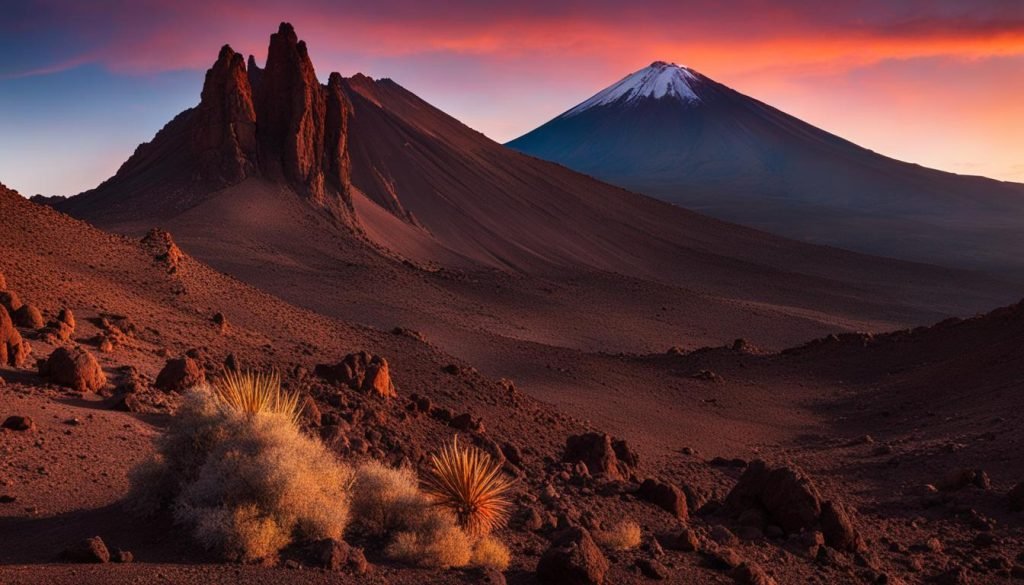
x: 358, y: 199
x: 673, y: 133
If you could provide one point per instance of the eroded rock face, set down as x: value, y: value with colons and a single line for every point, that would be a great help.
x: 75, y: 368
x: 290, y: 112
x: 336, y: 162
x: 224, y: 133
x: 14, y: 351
x: 602, y: 456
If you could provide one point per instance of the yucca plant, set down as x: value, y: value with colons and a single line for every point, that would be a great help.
x: 251, y: 393
x: 469, y: 483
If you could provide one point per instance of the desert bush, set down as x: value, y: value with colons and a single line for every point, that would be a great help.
x: 245, y: 479
x: 437, y: 541
x: 251, y: 393
x: 490, y: 553
x: 625, y: 535
x: 469, y: 483
x: 386, y: 499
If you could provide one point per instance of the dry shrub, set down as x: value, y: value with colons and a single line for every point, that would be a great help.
x: 385, y: 499
x: 246, y: 482
x: 490, y: 553
x: 623, y: 536
x: 253, y: 393
x: 436, y: 542
x: 470, y: 484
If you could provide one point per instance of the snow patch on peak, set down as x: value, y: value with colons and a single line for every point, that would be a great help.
x: 659, y: 80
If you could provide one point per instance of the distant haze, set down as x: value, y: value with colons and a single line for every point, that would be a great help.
x: 935, y: 83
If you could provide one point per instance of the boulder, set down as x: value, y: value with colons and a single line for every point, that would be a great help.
x: 88, y: 550
x: 18, y: 423
x: 14, y: 351
x: 838, y: 529
x: 360, y: 371
x: 572, y: 559
x: 28, y: 316
x: 666, y: 496
x: 750, y: 573
x: 652, y: 569
x: 75, y: 368
x: 467, y: 422
x: 161, y: 245
x: 67, y: 317
x: 613, y: 460
x: 10, y: 300
x: 179, y: 375
x: 785, y: 494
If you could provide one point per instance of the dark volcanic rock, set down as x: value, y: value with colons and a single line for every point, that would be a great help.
x: 603, y: 456
x: 224, y: 131
x: 73, y: 367
x: 665, y: 496
x: 838, y: 528
x: 18, y: 423
x: 652, y: 569
x: 89, y: 550
x: 29, y: 316
x: 10, y: 300
x: 290, y: 113
x: 179, y: 375
x: 360, y: 371
x: 572, y: 559
x: 785, y: 494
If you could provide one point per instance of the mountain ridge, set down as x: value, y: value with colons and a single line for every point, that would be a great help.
x: 741, y: 160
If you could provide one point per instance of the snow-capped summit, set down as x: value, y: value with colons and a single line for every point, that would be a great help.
x: 659, y: 80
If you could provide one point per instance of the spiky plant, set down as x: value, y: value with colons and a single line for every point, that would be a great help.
x: 251, y: 393
x: 469, y: 483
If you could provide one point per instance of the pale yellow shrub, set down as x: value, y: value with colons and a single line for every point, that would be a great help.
x: 623, y: 536
x: 385, y: 499
x: 247, y: 483
x: 490, y: 553
x: 437, y: 542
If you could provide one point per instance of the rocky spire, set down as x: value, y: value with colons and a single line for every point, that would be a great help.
x: 291, y: 108
x: 255, y: 74
x: 336, y: 162
x: 224, y: 132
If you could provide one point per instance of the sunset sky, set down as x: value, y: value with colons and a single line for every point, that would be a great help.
x: 936, y: 82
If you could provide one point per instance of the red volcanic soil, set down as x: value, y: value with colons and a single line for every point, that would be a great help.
x: 495, y: 265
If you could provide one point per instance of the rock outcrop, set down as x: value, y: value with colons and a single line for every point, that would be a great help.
x: 73, y: 367
x: 14, y: 351
x: 303, y: 126
x: 360, y: 371
x: 224, y: 128
x: 787, y: 498
x: 29, y: 316
x: 612, y: 459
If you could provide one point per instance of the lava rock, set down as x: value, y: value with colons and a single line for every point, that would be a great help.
x: 573, y: 559
x: 613, y: 460
x: 360, y: 371
x: 666, y: 496
x: 18, y: 423
x: 89, y: 550
x: 179, y: 375
x: 75, y: 368
x: 29, y: 316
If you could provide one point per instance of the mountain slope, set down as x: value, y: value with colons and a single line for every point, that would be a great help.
x: 422, y: 220
x: 673, y: 133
